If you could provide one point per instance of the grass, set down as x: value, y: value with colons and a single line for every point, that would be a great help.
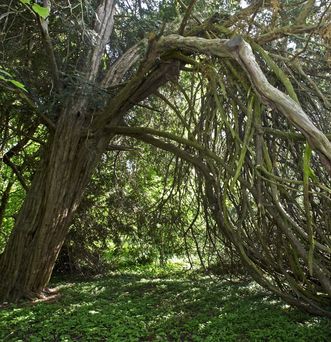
x: 145, y: 305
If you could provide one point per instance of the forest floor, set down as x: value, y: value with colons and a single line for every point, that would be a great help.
x: 160, y: 305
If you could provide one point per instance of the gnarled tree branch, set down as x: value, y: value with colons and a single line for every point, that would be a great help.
x: 241, y: 51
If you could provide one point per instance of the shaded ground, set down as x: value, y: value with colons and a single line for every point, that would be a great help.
x: 145, y: 306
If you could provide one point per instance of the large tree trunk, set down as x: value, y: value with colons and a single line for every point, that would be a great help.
x: 68, y: 160
x: 27, y: 262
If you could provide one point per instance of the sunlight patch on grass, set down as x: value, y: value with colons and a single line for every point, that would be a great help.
x: 162, y: 306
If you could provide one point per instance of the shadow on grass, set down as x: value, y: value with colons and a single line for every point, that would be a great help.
x: 138, y: 307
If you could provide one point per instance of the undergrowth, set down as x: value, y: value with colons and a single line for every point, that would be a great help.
x: 145, y: 304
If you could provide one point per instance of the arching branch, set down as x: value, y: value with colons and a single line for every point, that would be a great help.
x: 241, y: 51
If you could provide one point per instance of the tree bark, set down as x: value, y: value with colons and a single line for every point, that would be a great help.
x: 27, y: 262
x: 68, y: 160
x: 70, y: 156
x: 74, y: 149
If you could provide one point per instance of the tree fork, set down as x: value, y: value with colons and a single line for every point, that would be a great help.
x: 69, y: 158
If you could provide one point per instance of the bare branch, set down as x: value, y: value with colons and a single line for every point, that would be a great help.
x: 122, y: 148
x: 241, y: 51
x: 216, y: 47
x: 307, y: 8
x: 175, y: 150
x: 285, y: 31
x: 186, y: 16
x: 16, y: 171
x: 103, y: 27
x: 123, y: 64
x: 43, y: 24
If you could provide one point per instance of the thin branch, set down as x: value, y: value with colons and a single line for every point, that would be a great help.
x: 43, y: 24
x: 241, y: 51
x: 16, y: 171
x: 175, y: 150
x: 122, y: 148
x: 311, y: 33
x: 188, y: 12
x: 285, y: 31
x: 287, y: 135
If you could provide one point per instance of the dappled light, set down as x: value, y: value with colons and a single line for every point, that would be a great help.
x: 166, y: 166
x: 141, y: 307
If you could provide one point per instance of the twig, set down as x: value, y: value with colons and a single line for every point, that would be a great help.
x: 188, y: 12
x: 43, y: 24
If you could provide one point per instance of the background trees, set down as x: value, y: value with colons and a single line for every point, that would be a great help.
x: 246, y: 167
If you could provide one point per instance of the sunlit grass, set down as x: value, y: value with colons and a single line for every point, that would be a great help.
x: 160, y: 305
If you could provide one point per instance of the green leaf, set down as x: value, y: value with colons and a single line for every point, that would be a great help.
x: 43, y: 12
x: 5, y: 72
x: 18, y: 84
x: 26, y: 2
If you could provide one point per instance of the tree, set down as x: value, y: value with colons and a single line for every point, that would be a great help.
x: 95, y: 85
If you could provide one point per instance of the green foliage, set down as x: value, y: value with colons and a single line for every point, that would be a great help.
x: 15, y: 201
x: 157, y: 305
x: 16, y: 121
x: 43, y: 12
x: 7, y: 77
x: 151, y: 206
x: 136, y: 214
